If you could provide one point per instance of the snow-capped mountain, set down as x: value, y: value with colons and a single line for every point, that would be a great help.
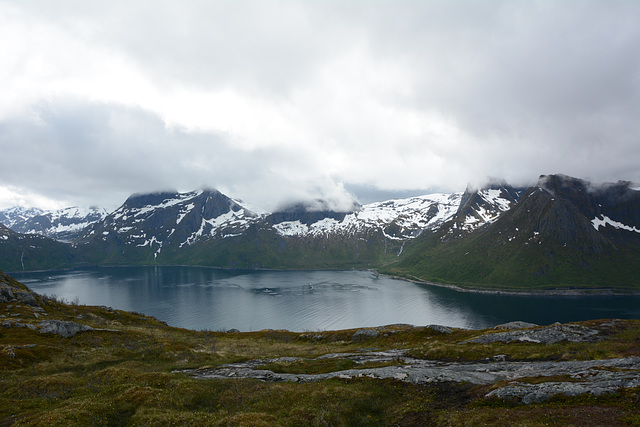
x: 480, y: 207
x: 561, y: 231
x: 64, y: 224
x: 210, y: 227
x: 17, y: 214
x: 403, y: 219
x: 396, y: 219
x: 165, y: 226
x: 182, y: 219
x: 170, y: 219
x: 612, y: 209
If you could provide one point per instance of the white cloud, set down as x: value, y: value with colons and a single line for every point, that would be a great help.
x: 13, y: 196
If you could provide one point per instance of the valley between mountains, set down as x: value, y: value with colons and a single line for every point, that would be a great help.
x: 563, y: 233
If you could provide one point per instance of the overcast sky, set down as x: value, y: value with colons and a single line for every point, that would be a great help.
x: 274, y: 101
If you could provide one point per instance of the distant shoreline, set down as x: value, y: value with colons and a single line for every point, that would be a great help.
x: 457, y: 288
x: 550, y: 292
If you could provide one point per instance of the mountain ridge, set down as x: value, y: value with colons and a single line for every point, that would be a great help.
x: 547, y: 240
x: 562, y: 231
x: 64, y: 224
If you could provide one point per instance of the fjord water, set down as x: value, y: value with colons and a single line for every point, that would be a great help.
x: 213, y: 299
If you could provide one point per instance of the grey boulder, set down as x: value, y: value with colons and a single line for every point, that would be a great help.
x: 63, y: 328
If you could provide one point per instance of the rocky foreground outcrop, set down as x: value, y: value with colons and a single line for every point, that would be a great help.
x: 11, y: 290
x: 522, y: 381
x: 63, y: 328
x: 547, y: 335
x: 594, y: 377
x: 20, y: 296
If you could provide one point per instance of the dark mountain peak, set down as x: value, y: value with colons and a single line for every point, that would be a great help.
x: 570, y: 212
x: 505, y: 191
x: 212, y: 201
x: 309, y: 212
x: 541, y: 216
x: 215, y: 203
x: 605, y: 202
x: 480, y: 206
x: 319, y: 205
x: 560, y: 185
x: 200, y: 204
x: 150, y: 225
x: 139, y: 200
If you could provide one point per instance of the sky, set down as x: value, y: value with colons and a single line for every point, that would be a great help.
x: 278, y: 101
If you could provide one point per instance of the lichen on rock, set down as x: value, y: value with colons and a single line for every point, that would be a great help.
x: 63, y: 328
x: 545, y: 335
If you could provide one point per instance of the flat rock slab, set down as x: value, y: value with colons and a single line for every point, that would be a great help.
x: 518, y: 324
x: 544, y: 335
x: 593, y: 380
x: 588, y: 376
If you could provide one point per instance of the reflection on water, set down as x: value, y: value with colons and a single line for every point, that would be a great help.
x: 213, y: 299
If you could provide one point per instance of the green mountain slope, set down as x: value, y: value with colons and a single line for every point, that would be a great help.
x: 262, y: 247
x: 545, y: 242
x: 34, y: 252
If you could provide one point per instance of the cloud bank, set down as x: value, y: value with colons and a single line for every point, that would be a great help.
x: 274, y: 101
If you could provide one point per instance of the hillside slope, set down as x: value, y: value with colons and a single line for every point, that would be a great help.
x: 24, y: 252
x: 563, y: 232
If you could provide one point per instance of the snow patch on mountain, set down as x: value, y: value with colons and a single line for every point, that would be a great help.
x: 167, y: 203
x: 291, y: 228
x: 494, y: 197
x: 225, y: 225
x: 605, y: 220
x: 494, y: 204
x: 184, y: 212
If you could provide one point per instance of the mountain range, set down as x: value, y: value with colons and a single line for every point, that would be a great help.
x: 65, y: 225
x: 562, y: 232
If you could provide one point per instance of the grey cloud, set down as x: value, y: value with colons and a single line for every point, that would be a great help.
x: 265, y: 47
x: 490, y: 62
x: 96, y: 153
x: 369, y: 193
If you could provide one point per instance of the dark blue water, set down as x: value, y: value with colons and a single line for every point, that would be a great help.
x: 212, y: 299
